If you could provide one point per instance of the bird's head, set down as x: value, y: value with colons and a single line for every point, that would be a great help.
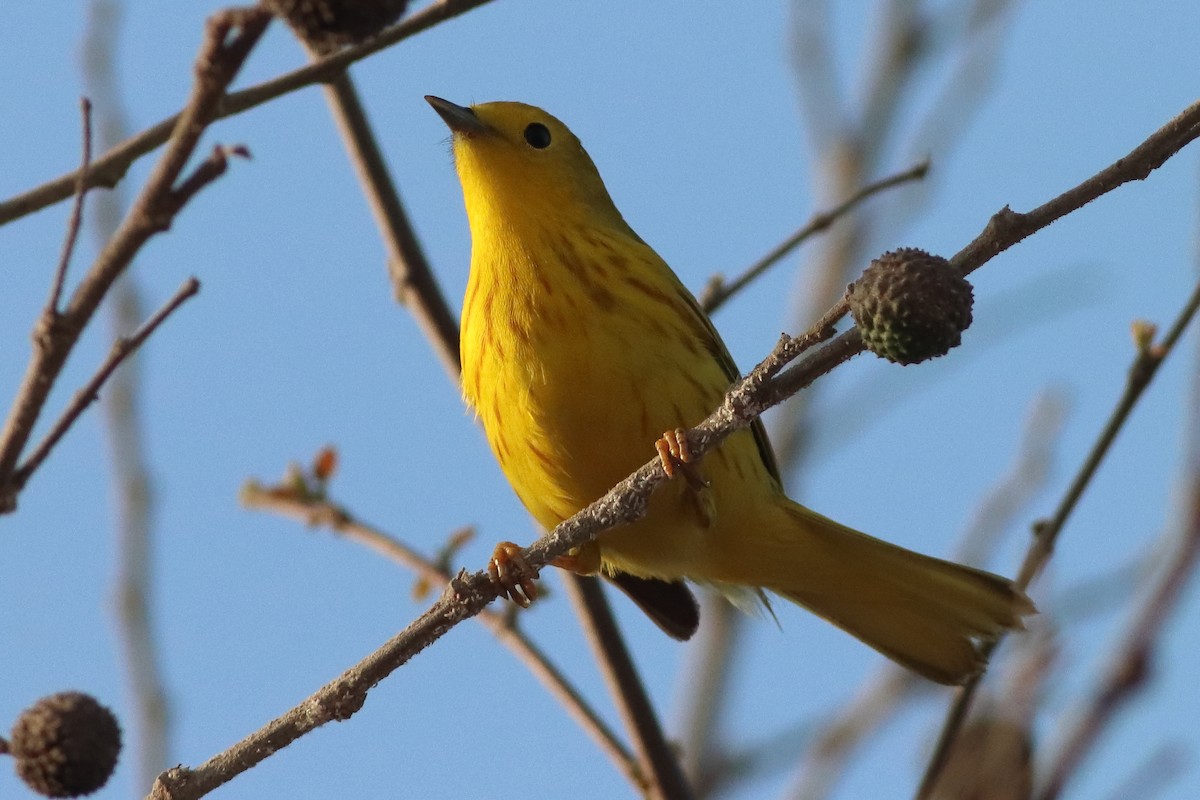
x: 515, y: 160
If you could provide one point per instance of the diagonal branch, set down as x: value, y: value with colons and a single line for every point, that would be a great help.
x: 121, y: 349
x: 229, y: 38
x: 321, y: 513
x: 413, y: 282
x: 1007, y: 227
x: 64, y: 260
x: 1133, y: 656
x: 718, y: 291
x: 416, y: 288
x: 1149, y: 358
x: 109, y: 168
x: 469, y: 593
x: 660, y: 764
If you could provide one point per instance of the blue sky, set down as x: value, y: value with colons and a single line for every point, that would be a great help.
x: 691, y: 113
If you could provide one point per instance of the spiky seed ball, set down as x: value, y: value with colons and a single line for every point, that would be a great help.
x: 330, y: 24
x: 66, y: 745
x: 911, y: 306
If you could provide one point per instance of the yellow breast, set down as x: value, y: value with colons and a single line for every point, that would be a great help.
x: 576, y: 361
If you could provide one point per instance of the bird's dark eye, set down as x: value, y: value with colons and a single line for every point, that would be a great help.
x: 538, y: 135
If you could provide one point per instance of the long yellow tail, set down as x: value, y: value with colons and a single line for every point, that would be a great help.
x: 923, y: 612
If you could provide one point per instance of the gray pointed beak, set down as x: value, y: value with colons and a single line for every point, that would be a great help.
x: 459, y: 118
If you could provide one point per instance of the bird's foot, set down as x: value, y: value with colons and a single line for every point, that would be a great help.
x: 676, y: 456
x: 511, y: 574
x: 583, y: 560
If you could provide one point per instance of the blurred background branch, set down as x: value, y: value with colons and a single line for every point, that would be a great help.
x: 854, y: 134
x: 133, y: 496
x: 302, y: 497
x: 881, y: 85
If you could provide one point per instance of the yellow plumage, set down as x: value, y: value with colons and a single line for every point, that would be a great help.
x: 580, y: 347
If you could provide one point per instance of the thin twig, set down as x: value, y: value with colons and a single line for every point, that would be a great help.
x: 1133, y: 657
x: 64, y: 260
x: 1008, y: 227
x: 1132, y: 663
x: 888, y: 689
x: 1141, y: 373
x: 659, y: 761
x: 230, y: 36
x: 109, y: 168
x: 468, y: 594
x: 848, y: 137
x: 1145, y: 365
x: 416, y: 288
x: 413, y: 282
x: 335, y: 518
x: 717, y: 291
x: 121, y: 349
x: 709, y: 671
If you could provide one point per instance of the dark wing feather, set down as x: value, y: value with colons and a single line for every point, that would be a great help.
x: 670, y: 604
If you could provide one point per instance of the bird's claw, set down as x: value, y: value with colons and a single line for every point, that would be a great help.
x: 676, y: 456
x: 511, y: 574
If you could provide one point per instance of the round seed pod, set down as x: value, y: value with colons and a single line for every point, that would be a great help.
x: 330, y: 24
x: 911, y: 306
x: 66, y: 745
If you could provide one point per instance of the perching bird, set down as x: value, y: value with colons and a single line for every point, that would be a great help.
x: 580, y: 348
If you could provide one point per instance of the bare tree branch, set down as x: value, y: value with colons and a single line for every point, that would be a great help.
x: 315, y: 512
x: 122, y: 348
x: 109, y: 168
x: 72, y: 237
x: 1133, y: 657
x: 413, y: 282
x: 230, y: 36
x: 1149, y: 358
x: 664, y: 777
x: 717, y: 291
x: 469, y: 593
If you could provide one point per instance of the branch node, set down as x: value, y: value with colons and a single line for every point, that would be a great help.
x: 167, y: 784
x: 460, y: 588
x: 52, y: 329
x: 339, y: 705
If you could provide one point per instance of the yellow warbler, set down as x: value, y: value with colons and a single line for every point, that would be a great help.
x: 580, y: 347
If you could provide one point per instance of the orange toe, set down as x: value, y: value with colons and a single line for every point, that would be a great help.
x: 676, y: 456
x: 511, y: 574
